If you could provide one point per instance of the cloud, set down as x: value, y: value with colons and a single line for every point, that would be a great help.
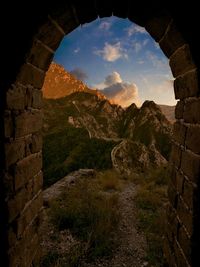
x: 112, y: 52
x: 119, y: 92
x: 155, y: 60
x: 79, y: 74
x: 105, y: 25
x: 135, y: 29
x: 76, y: 50
x: 137, y: 47
x: 113, y: 78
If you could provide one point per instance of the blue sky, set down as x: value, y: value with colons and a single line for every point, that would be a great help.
x: 113, y: 52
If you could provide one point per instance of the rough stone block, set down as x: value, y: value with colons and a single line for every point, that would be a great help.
x: 29, y: 213
x: 26, y: 169
x: 14, y: 151
x: 172, y: 40
x: 193, y: 138
x: 66, y: 18
x: 175, y: 157
x: 172, y: 195
x: 28, y: 122
x: 179, y: 132
x: 187, y: 85
x: 15, y: 97
x: 40, y: 55
x: 157, y: 26
x: 185, y: 243
x: 189, y: 192
x: 16, y: 204
x: 37, y: 182
x: 50, y: 35
x: 192, y: 110
x: 179, y: 256
x: 8, y: 124
x: 37, y: 98
x: 30, y: 75
x: 179, y: 181
x: 33, y: 143
x: 179, y: 110
x: 190, y: 165
x: 181, y: 61
x: 185, y: 216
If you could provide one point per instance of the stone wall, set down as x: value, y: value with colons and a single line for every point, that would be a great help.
x: 22, y: 181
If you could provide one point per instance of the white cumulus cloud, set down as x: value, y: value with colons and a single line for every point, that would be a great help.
x: 119, y: 92
x: 135, y: 29
x: 112, y: 52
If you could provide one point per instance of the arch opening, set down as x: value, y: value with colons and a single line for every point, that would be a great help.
x: 23, y: 146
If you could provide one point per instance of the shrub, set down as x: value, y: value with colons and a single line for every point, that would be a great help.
x: 109, y: 180
x: 150, y: 200
x: 90, y: 215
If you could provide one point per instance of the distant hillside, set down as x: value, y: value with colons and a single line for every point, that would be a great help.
x: 81, y: 130
x: 60, y: 83
x: 169, y: 112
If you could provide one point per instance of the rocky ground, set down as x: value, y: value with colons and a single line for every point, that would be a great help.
x: 131, y: 248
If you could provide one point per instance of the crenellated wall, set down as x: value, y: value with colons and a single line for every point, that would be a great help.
x: 22, y: 140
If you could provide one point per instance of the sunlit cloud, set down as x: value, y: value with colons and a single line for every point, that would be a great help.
x: 119, y: 92
x: 135, y: 29
x: 79, y: 74
x: 112, y: 52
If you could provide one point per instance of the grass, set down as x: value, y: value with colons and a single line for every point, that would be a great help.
x: 91, y: 215
x: 110, y: 180
x: 151, y: 200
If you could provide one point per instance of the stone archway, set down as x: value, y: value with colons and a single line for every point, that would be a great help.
x: 22, y: 182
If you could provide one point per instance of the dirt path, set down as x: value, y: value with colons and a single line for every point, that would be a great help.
x: 132, y: 244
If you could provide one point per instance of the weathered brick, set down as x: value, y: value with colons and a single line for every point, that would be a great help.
x: 157, y: 26
x: 14, y: 151
x: 50, y: 35
x: 8, y: 124
x: 179, y: 132
x: 26, y: 169
x: 190, y: 165
x: 15, y: 97
x: 179, y: 256
x: 37, y: 98
x: 179, y: 110
x: 172, y: 195
x: 187, y: 85
x: 30, y: 75
x: 181, y: 61
x: 28, y: 122
x: 172, y: 40
x: 12, y: 239
x: 168, y: 253
x: 66, y: 18
x: 33, y: 143
x: 175, y: 156
x: 193, y: 138
x: 188, y: 195
x: 185, y: 216
x: 16, y: 204
x: 192, y: 110
x: 185, y: 243
x: 37, y: 182
x: 179, y: 181
x: 29, y: 214
x: 40, y: 55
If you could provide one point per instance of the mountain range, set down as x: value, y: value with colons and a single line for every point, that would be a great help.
x: 82, y: 129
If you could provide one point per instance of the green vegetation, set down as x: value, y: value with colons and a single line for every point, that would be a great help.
x: 92, y: 217
x: 71, y: 149
x: 151, y: 200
